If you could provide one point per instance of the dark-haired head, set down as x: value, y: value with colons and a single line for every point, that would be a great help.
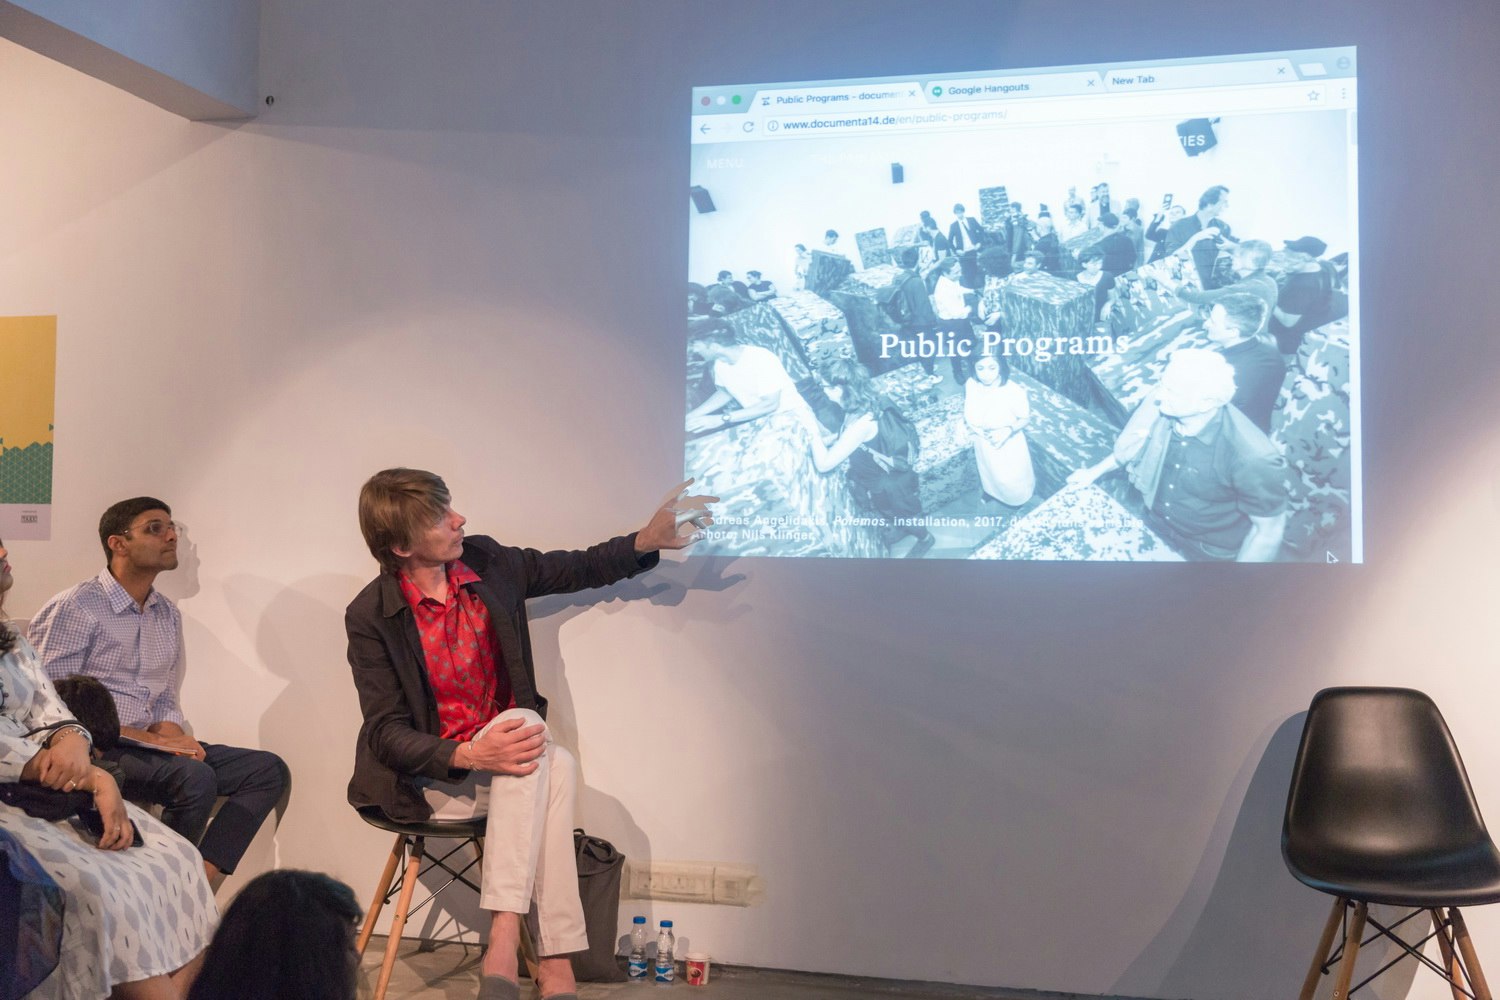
x: 1212, y: 196
x: 117, y: 519
x: 853, y: 389
x: 90, y: 703
x: 287, y: 934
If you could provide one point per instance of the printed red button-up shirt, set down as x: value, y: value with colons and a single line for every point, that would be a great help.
x: 463, y: 656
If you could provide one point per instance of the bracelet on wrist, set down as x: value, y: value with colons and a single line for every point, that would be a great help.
x: 71, y: 727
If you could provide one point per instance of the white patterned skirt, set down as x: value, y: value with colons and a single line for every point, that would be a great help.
x: 131, y: 914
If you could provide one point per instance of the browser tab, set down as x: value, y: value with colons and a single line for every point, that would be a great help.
x: 1219, y: 74
x: 995, y: 87
x: 870, y: 96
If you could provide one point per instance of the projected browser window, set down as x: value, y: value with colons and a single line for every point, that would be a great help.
x: 1074, y: 313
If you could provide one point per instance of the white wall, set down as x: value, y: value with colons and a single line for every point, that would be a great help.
x: 457, y: 241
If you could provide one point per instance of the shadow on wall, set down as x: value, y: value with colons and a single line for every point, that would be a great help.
x: 1244, y: 918
x: 666, y: 587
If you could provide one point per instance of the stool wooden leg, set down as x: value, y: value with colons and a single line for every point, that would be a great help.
x: 1330, y: 927
x: 1351, y: 951
x: 1450, y: 957
x: 398, y: 921
x: 1471, y: 959
x: 378, y: 903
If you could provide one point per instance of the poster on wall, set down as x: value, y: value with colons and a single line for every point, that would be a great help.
x: 28, y: 359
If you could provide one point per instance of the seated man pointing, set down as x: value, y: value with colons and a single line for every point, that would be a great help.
x: 452, y: 719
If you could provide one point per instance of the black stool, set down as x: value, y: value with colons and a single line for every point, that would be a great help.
x: 411, y: 840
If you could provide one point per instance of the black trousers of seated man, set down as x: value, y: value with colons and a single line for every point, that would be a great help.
x: 252, y: 782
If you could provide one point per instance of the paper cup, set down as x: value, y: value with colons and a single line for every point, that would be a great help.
x: 697, y: 969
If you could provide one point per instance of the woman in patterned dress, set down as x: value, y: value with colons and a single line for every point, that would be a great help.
x: 137, y: 919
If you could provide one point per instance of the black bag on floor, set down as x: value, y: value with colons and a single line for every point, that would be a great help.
x: 599, y: 870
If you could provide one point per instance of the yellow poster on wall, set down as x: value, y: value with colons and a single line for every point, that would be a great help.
x: 28, y: 380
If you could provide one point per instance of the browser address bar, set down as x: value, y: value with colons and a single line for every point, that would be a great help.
x: 1044, y: 111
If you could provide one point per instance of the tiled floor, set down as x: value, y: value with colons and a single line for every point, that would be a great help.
x: 452, y: 971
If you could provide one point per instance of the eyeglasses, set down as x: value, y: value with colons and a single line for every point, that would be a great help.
x: 154, y: 528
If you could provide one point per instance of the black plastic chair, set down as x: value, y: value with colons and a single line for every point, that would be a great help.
x: 1380, y: 811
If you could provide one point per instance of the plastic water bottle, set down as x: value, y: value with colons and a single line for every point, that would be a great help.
x: 638, y: 950
x: 666, y: 971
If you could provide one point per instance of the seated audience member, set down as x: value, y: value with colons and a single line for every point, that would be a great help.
x: 1309, y: 296
x: 1118, y: 250
x: 288, y: 934
x: 725, y: 296
x: 880, y: 443
x: 1236, y: 325
x: 698, y: 304
x: 995, y: 260
x: 1048, y: 245
x: 1249, y: 262
x: 117, y: 628
x: 136, y: 918
x: 750, y: 377
x: 1200, y: 234
x: 1093, y: 274
x: 1161, y: 225
x: 759, y: 289
x: 1214, y: 485
x: 453, y: 722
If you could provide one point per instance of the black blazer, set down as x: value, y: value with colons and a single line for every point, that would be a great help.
x: 973, y: 234
x: 399, y: 739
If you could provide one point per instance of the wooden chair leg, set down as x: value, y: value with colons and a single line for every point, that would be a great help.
x: 1450, y: 957
x: 1325, y: 943
x: 1471, y: 959
x: 378, y: 903
x: 398, y: 921
x: 1351, y: 951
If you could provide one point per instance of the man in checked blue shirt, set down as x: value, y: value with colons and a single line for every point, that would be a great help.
x: 117, y: 628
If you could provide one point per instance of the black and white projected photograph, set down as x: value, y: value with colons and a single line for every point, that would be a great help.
x: 1082, y: 313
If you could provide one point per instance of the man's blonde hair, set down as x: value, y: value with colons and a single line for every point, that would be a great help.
x: 396, y: 506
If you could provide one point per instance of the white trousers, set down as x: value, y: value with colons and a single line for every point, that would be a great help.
x: 528, y: 841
